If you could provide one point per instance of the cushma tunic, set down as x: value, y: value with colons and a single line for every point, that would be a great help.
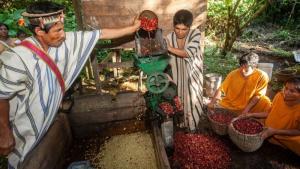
x: 33, y: 89
x: 284, y: 117
x: 187, y: 74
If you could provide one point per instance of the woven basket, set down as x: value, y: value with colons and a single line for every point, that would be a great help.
x: 218, y: 128
x: 246, y: 142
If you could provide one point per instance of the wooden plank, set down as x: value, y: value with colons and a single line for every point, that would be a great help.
x: 126, y: 64
x: 49, y: 152
x: 161, y: 155
x: 106, y: 115
x: 109, y: 128
x: 96, y: 76
x: 89, y: 103
x: 78, y: 13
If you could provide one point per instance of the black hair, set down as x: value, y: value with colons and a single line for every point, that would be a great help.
x: 295, y: 81
x: 250, y: 59
x: 42, y: 8
x: 184, y: 17
x: 3, y: 24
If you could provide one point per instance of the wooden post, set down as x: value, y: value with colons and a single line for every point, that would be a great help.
x: 140, y: 82
x: 160, y: 153
x: 96, y: 76
x: 116, y: 58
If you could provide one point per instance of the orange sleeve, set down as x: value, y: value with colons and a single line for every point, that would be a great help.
x: 262, y: 85
x: 226, y: 83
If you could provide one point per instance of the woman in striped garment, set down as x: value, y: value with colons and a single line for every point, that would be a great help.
x: 187, y: 66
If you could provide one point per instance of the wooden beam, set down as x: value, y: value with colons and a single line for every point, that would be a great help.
x: 78, y: 13
x: 87, y: 103
x: 160, y: 152
x: 126, y: 64
x: 96, y: 75
x: 106, y: 115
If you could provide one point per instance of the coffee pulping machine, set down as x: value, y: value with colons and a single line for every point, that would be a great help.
x: 151, y: 56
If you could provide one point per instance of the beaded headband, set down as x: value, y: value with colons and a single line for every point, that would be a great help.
x: 45, y: 18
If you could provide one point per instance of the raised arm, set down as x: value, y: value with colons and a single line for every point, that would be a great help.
x: 7, y: 141
x: 119, y: 32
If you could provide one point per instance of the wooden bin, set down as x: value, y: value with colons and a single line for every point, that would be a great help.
x: 88, y: 115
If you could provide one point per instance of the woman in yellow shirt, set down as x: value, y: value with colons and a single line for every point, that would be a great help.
x: 283, y: 119
x: 244, y: 88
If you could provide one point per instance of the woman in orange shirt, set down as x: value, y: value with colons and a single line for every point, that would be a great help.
x: 283, y: 119
x: 244, y: 88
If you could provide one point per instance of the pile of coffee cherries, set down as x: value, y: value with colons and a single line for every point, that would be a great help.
x: 248, y: 126
x: 192, y: 151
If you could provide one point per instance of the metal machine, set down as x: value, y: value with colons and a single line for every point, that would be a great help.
x: 152, y: 58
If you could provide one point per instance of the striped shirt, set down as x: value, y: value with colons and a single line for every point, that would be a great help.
x: 33, y: 90
x: 187, y: 73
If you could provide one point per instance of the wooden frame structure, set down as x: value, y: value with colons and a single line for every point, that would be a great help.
x: 96, y: 14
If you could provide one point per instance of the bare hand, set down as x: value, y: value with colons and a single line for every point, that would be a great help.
x: 211, y: 106
x: 136, y: 23
x: 268, y: 133
x: 7, y: 141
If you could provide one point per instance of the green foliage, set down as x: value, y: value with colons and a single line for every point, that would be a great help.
x: 227, y: 19
x: 216, y: 15
x: 282, y: 53
x: 281, y: 35
x: 102, y: 54
x: 127, y: 55
x: 10, y: 17
x: 214, y: 63
x: 283, y: 12
x: 70, y: 20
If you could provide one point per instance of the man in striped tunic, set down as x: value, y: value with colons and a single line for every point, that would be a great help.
x: 186, y: 64
x: 30, y: 91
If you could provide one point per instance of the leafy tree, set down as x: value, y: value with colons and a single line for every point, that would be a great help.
x: 284, y: 12
x: 14, y: 9
x: 229, y: 17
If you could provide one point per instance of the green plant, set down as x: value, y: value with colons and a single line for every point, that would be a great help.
x: 282, y: 53
x: 10, y: 17
x: 127, y: 55
x: 102, y: 54
x: 12, y: 14
x: 214, y: 63
x: 282, y: 35
x: 230, y: 17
